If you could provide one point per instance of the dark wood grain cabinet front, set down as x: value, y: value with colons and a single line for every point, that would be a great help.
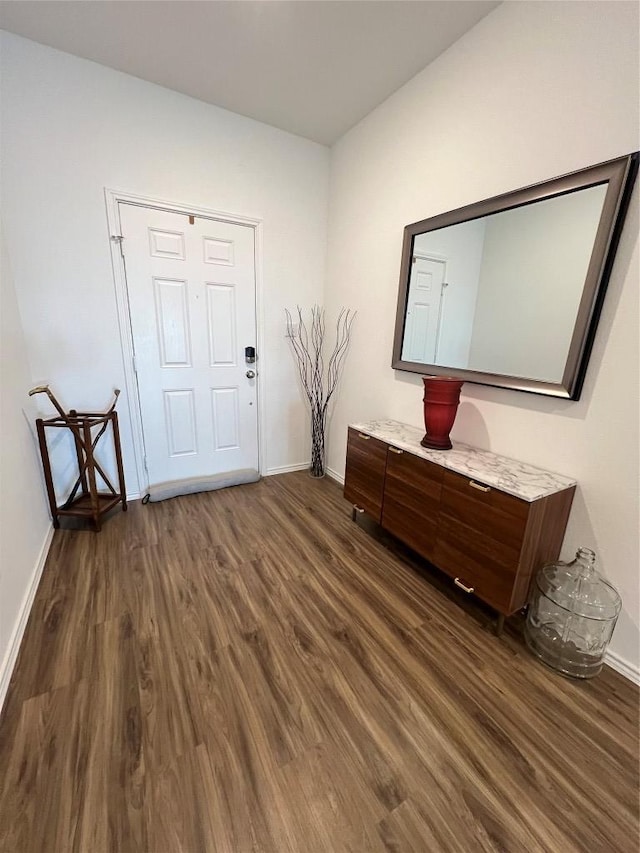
x: 488, y: 541
x: 477, y: 562
x: 365, y: 471
x: 411, y: 500
x: 493, y: 542
x: 480, y: 535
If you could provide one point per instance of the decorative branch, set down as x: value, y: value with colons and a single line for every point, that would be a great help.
x: 308, y: 345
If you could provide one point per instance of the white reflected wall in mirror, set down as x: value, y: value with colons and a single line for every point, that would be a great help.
x: 500, y: 293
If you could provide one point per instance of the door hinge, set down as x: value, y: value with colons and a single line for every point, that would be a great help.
x: 135, y: 364
x: 119, y: 239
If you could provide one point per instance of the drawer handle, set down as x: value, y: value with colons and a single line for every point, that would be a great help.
x: 363, y: 436
x: 459, y: 583
x: 479, y: 486
x: 396, y: 450
x: 357, y: 508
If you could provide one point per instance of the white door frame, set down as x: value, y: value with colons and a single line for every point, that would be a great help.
x: 113, y: 198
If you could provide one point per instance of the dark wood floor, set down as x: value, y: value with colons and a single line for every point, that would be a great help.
x: 248, y: 670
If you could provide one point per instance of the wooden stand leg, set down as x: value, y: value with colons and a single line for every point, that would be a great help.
x: 499, y: 625
x: 118, y: 450
x: 79, y: 455
x: 46, y: 468
x: 91, y: 475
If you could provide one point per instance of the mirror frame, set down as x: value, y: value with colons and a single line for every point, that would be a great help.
x: 620, y: 175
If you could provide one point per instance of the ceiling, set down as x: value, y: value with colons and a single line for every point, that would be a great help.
x: 311, y: 67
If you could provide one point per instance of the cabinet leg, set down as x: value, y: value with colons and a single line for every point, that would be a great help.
x: 353, y: 513
x: 499, y: 625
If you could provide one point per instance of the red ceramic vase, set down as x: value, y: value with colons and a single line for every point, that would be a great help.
x: 441, y: 399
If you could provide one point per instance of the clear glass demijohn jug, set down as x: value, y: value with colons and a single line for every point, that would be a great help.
x: 572, y: 615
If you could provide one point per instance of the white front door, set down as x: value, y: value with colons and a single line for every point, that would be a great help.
x: 424, y: 299
x: 191, y: 291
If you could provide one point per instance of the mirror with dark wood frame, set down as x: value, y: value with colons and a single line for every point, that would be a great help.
x: 508, y: 291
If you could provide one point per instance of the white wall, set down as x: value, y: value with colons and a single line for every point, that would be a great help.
x: 70, y: 128
x: 535, y: 90
x: 534, y: 265
x: 24, y: 520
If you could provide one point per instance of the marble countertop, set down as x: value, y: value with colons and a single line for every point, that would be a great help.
x: 516, y: 478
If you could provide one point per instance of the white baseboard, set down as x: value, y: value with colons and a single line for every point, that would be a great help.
x: 284, y: 469
x: 623, y: 667
x: 339, y: 478
x: 304, y: 466
x: 11, y: 655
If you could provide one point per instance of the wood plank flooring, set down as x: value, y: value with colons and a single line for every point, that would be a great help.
x: 249, y: 671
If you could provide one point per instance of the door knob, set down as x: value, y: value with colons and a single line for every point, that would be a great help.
x: 250, y: 374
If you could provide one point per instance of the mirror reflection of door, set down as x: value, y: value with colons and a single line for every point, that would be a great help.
x: 424, y: 309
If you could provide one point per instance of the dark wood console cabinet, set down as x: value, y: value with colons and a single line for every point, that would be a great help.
x: 489, y: 535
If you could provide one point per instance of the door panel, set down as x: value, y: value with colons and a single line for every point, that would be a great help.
x: 218, y: 251
x: 191, y: 290
x: 167, y: 244
x: 226, y: 426
x: 180, y: 422
x: 172, y: 321
x: 221, y: 325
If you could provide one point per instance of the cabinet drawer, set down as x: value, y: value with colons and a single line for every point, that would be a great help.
x: 493, y: 513
x: 478, y: 560
x: 364, y: 474
x: 411, y: 499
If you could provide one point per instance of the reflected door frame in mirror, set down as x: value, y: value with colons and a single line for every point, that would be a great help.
x: 618, y: 176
